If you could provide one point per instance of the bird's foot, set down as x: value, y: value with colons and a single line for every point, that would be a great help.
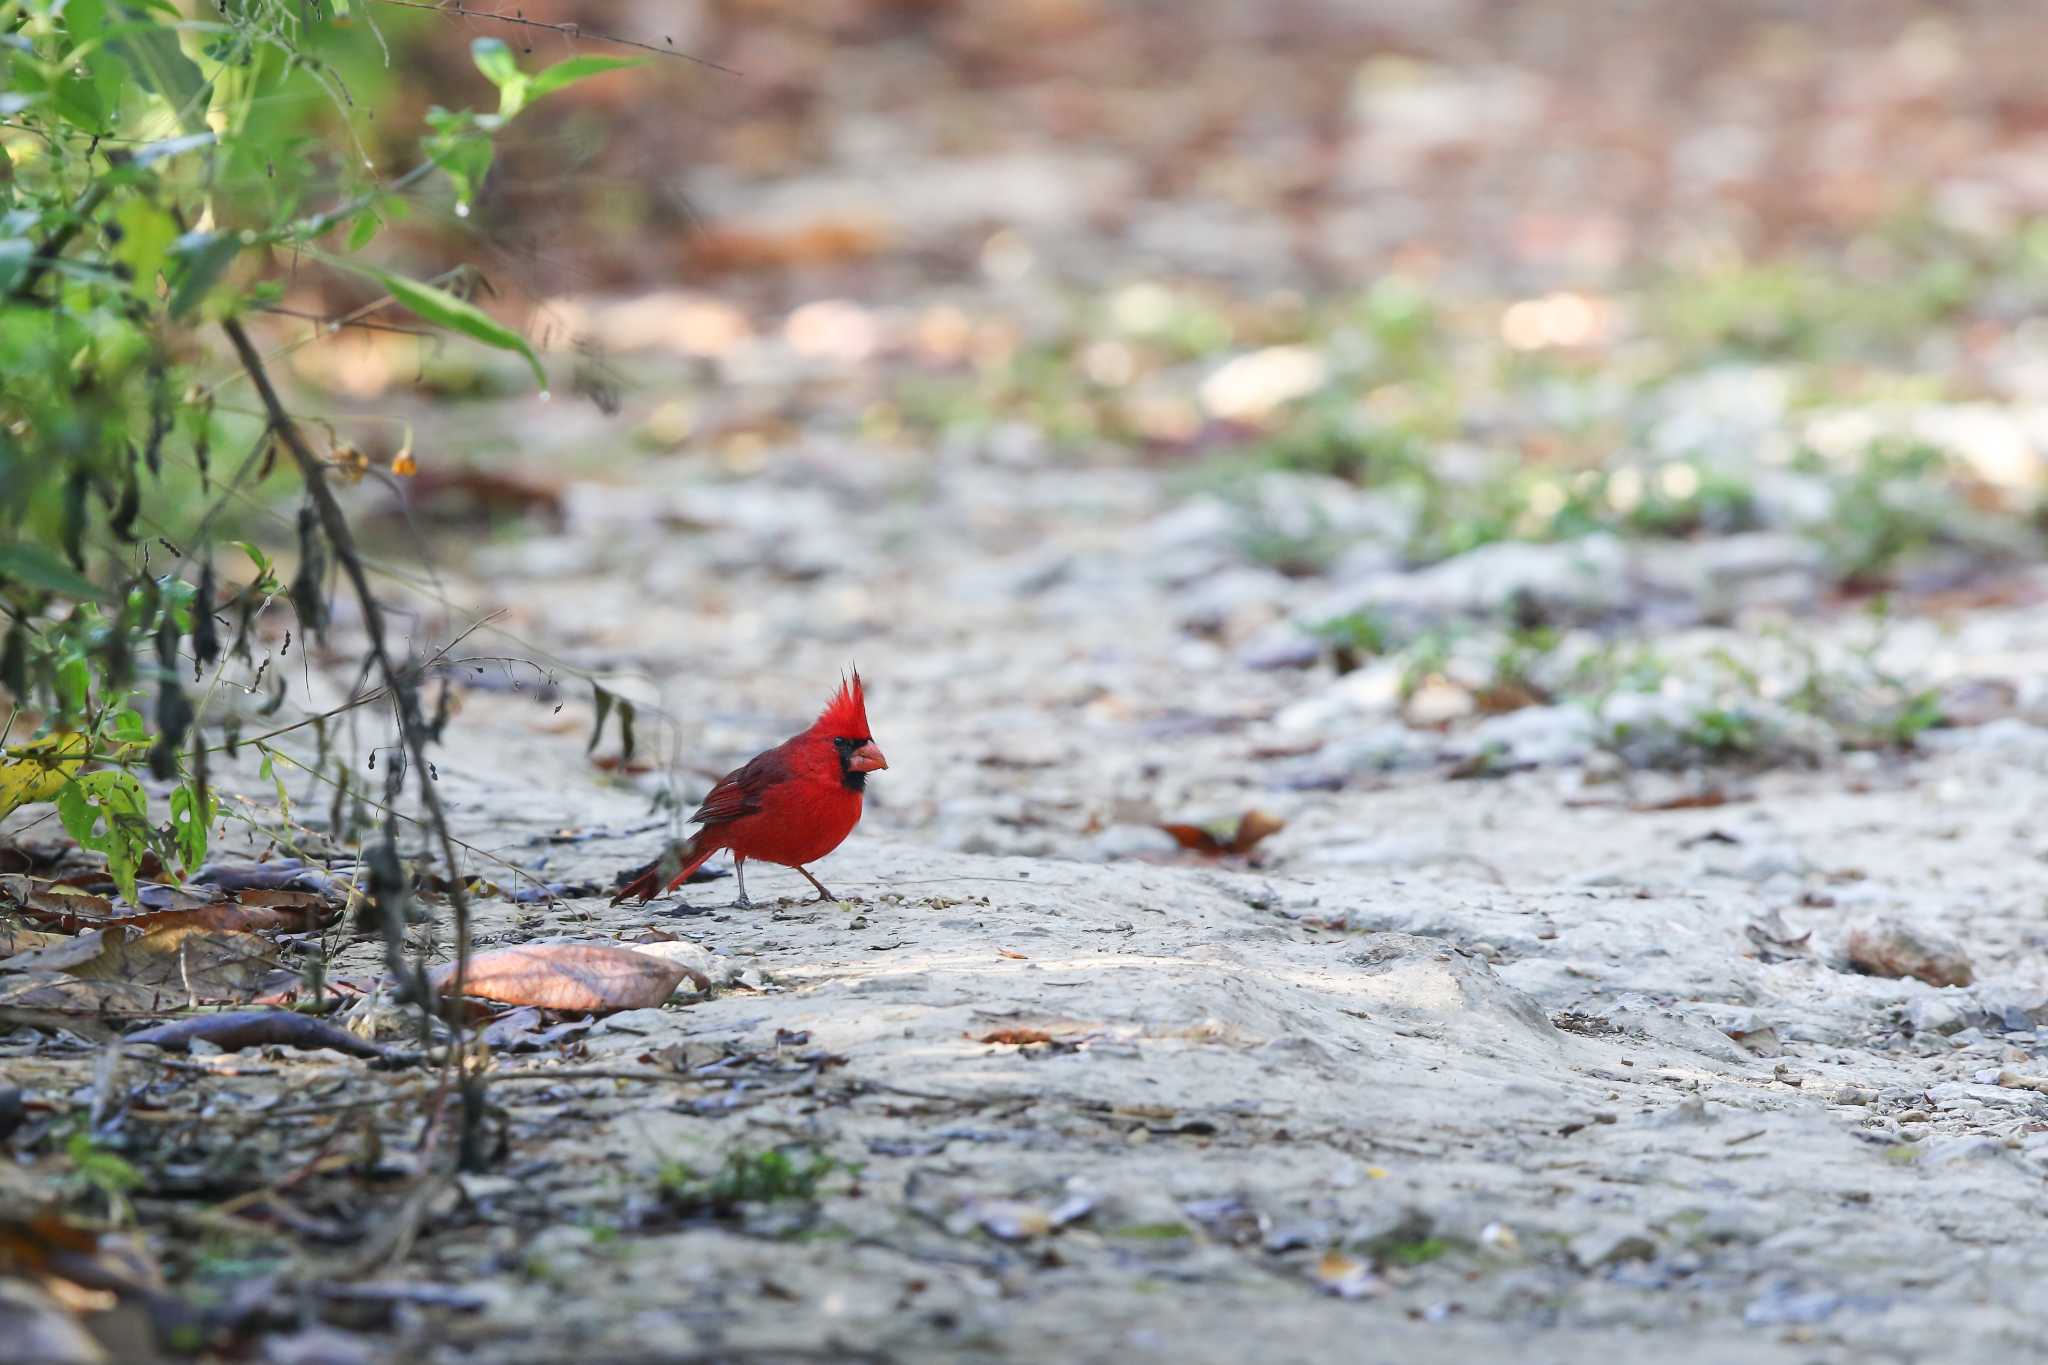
x: 743, y: 903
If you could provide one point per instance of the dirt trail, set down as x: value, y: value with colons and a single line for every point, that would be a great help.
x: 1494, y: 1065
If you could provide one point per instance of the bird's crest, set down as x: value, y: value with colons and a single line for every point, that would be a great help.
x: 846, y: 715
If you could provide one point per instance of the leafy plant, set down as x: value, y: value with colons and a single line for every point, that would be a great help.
x: 150, y: 193
x: 746, y: 1178
x: 95, y: 1168
x: 1355, y: 636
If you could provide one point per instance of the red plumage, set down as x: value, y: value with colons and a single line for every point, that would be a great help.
x: 791, y: 805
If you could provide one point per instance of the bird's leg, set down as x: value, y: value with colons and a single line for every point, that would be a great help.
x: 823, y: 894
x: 739, y: 870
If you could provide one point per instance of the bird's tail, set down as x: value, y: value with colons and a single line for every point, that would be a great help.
x: 694, y: 853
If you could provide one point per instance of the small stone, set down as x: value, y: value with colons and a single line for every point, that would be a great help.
x: 1914, y: 1116
x: 1890, y: 947
x: 1611, y: 1246
x: 1855, y: 1096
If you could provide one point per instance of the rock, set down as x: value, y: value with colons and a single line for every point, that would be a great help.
x: 1789, y: 1306
x: 1890, y: 947
x: 1279, y: 648
x: 1938, y: 1014
x: 1386, y: 1228
x: 1724, y: 576
x: 1636, y: 1013
x: 1948, y: 1149
x: 1404, y: 976
x: 1533, y: 737
x: 1611, y: 1245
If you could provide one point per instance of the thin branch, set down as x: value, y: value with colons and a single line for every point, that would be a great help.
x: 329, y: 326
x: 570, y: 29
x: 412, y: 726
x: 320, y: 224
x: 54, y: 248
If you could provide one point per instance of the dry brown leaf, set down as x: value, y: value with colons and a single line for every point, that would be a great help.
x: 1020, y: 957
x: 211, y: 964
x: 1016, y: 1037
x: 251, y: 911
x: 568, y: 976
x: 64, y: 954
x: 15, y: 939
x: 1253, y: 827
x: 1705, y: 798
x: 59, y: 1000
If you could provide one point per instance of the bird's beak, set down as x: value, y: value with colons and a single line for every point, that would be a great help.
x: 866, y: 758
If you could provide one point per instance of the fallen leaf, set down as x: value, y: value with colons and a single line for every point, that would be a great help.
x: 15, y: 939
x: 59, y: 1000
x: 37, y: 771
x: 1253, y: 827
x: 209, y: 964
x: 1020, y: 957
x: 1346, y: 1276
x: 1017, y: 1037
x: 1703, y: 798
x: 568, y: 976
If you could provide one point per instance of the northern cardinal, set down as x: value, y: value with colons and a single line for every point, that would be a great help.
x: 791, y: 805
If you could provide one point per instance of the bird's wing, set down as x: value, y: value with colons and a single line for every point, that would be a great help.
x: 739, y: 792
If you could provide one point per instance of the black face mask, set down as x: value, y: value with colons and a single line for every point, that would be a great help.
x: 854, y: 781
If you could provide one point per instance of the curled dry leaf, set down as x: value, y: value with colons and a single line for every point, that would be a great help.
x: 568, y: 976
x: 1253, y: 827
x: 1020, y: 957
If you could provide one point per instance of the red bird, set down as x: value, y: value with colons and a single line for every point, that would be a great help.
x: 791, y: 805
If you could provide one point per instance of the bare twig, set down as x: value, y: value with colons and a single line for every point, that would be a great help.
x: 567, y: 30
x: 412, y: 725
x: 61, y: 238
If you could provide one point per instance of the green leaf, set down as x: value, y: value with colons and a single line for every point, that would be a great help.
x: 108, y: 812
x: 567, y: 73
x: 189, y: 822
x: 15, y: 254
x: 146, y: 236
x: 126, y: 726
x: 256, y: 556
x: 37, y: 567
x: 150, y: 47
x: 461, y: 148
x: 501, y: 68
x: 495, y: 60
x: 73, y: 686
x: 368, y: 224
x: 201, y: 257
x: 443, y: 309
x: 604, y: 708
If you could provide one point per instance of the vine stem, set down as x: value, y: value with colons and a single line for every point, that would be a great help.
x: 412, y: 726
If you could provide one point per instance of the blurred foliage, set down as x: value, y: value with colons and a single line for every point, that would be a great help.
x: 159, y: 176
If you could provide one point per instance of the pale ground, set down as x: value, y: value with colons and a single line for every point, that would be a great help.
x: 1352, y: 1045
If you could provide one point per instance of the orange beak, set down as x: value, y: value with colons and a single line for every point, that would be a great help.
x: 866, y: 758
